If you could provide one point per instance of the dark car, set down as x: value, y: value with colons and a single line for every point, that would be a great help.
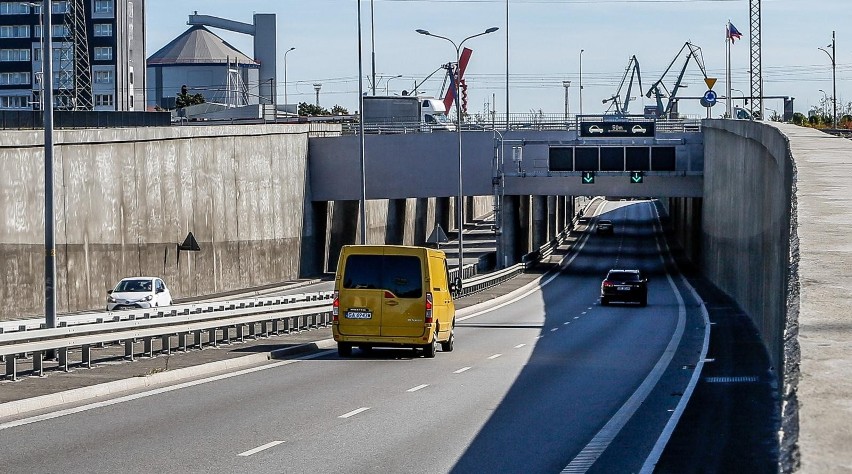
x: 604, y: 227
x: 625, y: 286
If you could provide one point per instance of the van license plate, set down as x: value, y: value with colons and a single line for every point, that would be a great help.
x: 359, y: 314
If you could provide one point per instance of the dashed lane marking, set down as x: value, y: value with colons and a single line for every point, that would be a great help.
x: 494, y: 356
x: 260, y: 448
x: 354, y: 412
x: 519, y: 346
x: 463, y: 369
x: 417, y: 388
x: 554, y: 329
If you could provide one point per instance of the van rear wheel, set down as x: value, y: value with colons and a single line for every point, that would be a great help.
x: 344, y: 349
x: 429, y: 350
x: 447, y: 346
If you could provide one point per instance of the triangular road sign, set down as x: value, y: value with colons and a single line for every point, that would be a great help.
x: 438, y: 236
x: 710, y: 81
x: 190, y: 244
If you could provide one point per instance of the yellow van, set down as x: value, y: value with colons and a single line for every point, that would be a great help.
x: 394, y: 296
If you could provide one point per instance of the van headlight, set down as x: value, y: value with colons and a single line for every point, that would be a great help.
x: 110, y: 299
x: 148, y: 298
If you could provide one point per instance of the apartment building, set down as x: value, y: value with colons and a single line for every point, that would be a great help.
x: 98, y: 54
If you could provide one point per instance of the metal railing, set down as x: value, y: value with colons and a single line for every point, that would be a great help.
x: 259, y: 316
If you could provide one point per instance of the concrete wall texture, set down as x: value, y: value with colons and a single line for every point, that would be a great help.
x: 126, y: 197
x: 775, y: 237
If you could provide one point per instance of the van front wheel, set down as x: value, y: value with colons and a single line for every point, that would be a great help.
x: 344, y: 349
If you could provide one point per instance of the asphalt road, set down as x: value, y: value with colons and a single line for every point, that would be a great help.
x: 541, y: 383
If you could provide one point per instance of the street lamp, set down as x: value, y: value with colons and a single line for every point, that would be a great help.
x: 388, y: 82
x: 285, y: 75
x: 833, y: 55
x: 566, y: 84
x: 742, y: 95
x: 581, y: 81
x: 460, y: 203
x: 824, y: 97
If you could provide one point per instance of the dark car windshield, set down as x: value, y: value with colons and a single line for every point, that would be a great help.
x: 399, y: 274
x: 623, y: 276
x: 133, y: 286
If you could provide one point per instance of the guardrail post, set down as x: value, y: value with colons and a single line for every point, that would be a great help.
x: 211, y: 337
x: 198, y: 343
x: 275, y: 326
x: 62, y: 355
x: 148, y: 346
x: 300, y: 321
x: 86, y: 352
x: 241, y: 333
x: 226, y: 335
x: 128, y: 349
x: 264, y: 332
x: 38, y: 363
x: 12, y: 367
x: 252, y: 330
x: 288, y: 325
x: 166, y: 343
x: 182, y: 341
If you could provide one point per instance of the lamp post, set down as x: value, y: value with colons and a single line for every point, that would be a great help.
x: 833, y: 56
x: 566, y: 84
x: 361, y: 148
x: 581, y: 81
x: 285, y: 75
x: 824, y: 97
x: 388, y: 82
x: 460, y: 203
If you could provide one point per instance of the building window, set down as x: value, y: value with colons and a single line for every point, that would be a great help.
x: 14, y: 78
x: 15, y: 102
x: 103, y: 53
x: 104, y: 100
x: 103, y: 77
x: 60, y: 7
x: 15, y: 31
x: 103, y: 7
x: 14, y: 55
x: 59, y: 31
x: 103, y: 29
x: 14, y: 8
x: 63, y: 79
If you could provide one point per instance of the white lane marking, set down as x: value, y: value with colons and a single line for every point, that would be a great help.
x: 260, y: 448
x: 157, y: 391
x: 566, y: 323
x: 554, y: 329
x: 354, y: 412
x: 519, y: 346
x: 584, y: 312
x: 417, y: 388
x: 463, y: 369
x: 592, y: 451
x: 562, y: 265
x: 662, y: 441
x: 589, y: 307
x: 576, y: 317
x: 494, y: 356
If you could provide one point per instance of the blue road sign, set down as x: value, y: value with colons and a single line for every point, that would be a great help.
x: 710, y: 97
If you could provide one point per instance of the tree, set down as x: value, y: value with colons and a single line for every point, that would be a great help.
x: 184, y: 99
x: 338, y: 110
x: 799, y: 118
x: 306, y: 109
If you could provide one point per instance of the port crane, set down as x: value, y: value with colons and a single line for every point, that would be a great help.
x: 660, y: 91
x: 621, y: 107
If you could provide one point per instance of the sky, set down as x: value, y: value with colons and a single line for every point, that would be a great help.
x: 544, y: 42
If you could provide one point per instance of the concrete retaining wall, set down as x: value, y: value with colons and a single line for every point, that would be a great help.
x: 126, y: 197
x: 749, y: 245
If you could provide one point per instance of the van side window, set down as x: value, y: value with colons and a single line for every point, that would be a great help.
x: 441, y: 276
x: 363, y: 272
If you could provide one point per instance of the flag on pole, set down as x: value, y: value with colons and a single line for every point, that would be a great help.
x: 733, y: 33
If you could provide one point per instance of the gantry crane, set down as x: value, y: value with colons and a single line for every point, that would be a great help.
x: 632, y: 70
x: 660, y: 91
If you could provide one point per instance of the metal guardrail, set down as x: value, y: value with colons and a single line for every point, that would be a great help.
x: 272, y: 315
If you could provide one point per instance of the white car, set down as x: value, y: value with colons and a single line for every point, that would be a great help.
x: 138, y: 292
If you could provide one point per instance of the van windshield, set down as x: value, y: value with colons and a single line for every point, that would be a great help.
x: 399, y: 274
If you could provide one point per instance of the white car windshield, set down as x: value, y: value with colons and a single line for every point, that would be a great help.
x: 133, y: 286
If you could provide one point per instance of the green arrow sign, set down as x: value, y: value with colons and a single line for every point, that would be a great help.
x: 637, y: 177
x: 588, y: 177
